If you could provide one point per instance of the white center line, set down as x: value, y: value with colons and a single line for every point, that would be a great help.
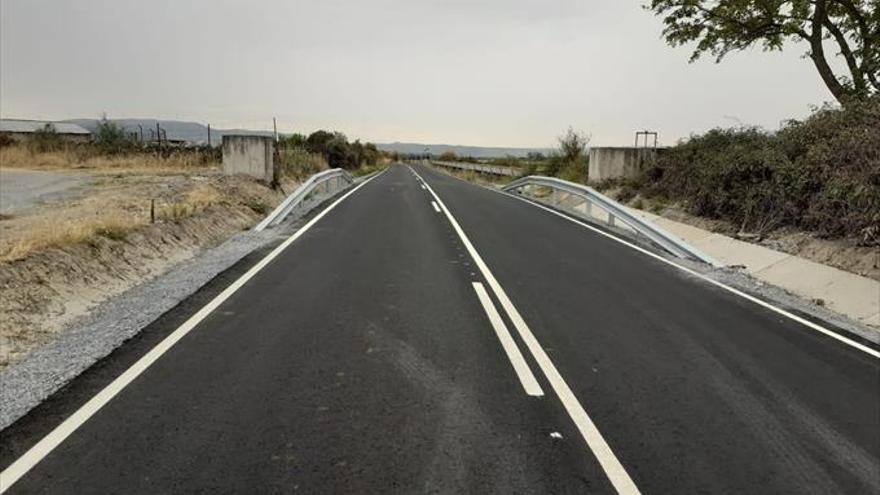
x: 48, y: 443
x: 615, y: 471
x: 436, y: 208
x: 526, y: 377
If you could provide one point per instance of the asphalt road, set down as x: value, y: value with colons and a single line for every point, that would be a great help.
x: 467, y: 342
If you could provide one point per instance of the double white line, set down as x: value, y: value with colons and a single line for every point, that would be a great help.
x: 595, y: 441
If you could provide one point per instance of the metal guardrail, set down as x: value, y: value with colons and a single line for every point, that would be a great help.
x: 325, y: 183
x: 611, y: 212
x: 480, y: 167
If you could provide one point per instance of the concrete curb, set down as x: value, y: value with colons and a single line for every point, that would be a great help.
x: 848, y: 294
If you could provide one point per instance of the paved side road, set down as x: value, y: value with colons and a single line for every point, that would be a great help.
x: 427, y: 335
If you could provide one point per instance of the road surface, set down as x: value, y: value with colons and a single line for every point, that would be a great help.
x: 444, y: 338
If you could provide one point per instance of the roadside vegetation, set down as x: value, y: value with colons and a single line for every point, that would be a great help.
x: 136, y: 209
x: 111, y: 149
x: 301, y: 156
x: 127, y: 186
x: 568, y: 161
x: 821, y: 174
x: 132, y: 184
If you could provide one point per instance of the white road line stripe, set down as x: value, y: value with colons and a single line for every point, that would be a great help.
x: 595, y: 441
x: 42, y: 448
x: 526, y: 378
x: 436, y: 208
x: 807, y: 323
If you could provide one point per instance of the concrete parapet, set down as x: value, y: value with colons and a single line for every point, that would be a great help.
x: 619, y: 162
x: 249, y: 155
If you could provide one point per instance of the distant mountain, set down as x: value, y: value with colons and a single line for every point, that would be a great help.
x: 192, y: 132
x: 197, y: 133
x: 460, y: 150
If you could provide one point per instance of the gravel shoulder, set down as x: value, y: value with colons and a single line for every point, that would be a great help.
x: 95, y: 333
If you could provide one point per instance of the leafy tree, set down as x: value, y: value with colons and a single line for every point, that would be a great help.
x: 111, y: 136
x: 371, y: 155
x: 317, y: 141
x: 721, y: 26
x: 295, y: 140
x: 339, y: 153
x: 448, y: 156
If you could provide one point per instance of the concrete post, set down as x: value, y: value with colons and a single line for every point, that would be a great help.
x: 250, y: 155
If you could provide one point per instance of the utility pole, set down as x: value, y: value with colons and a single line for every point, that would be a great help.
x: 209, y: 135
x: 274, y: 129
x: 158, y: 135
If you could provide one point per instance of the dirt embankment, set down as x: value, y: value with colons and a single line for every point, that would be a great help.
x: 845, y: 253
x: 59, y: 260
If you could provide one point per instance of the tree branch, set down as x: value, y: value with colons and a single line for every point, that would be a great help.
x: 857, y: 77
x: 817, y: 52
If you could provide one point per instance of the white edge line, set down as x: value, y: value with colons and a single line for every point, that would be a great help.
x: 523, y: 372
x: 436, y: 208
x: 830, y: 333
x: 612, y: 467
x: 841, y: 338
x: 48, y: 443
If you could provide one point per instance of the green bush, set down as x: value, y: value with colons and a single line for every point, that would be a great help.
x: 112, y: 137
x: 448, y: 156
x: 821, y: 174
x: 339, y: 153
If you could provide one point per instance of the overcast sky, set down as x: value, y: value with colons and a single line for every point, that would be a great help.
x: 497, y: 72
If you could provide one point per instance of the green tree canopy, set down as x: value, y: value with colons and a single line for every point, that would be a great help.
x: 719, y: 27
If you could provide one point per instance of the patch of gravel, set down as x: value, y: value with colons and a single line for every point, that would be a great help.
x: 94, y: 336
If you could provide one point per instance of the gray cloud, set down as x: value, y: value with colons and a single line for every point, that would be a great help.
x: 513, y: 72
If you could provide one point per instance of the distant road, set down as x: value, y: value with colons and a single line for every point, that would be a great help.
x: 444, y: 338
x: 23, y: 189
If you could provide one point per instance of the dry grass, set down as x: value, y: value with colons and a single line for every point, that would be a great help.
x: 118, y: 197
x: 299, y: 164
x: 73, y: 157
x: 112, y: 209
x: 195, y: 201
x: 103, y: 215
x: 48, y: 232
